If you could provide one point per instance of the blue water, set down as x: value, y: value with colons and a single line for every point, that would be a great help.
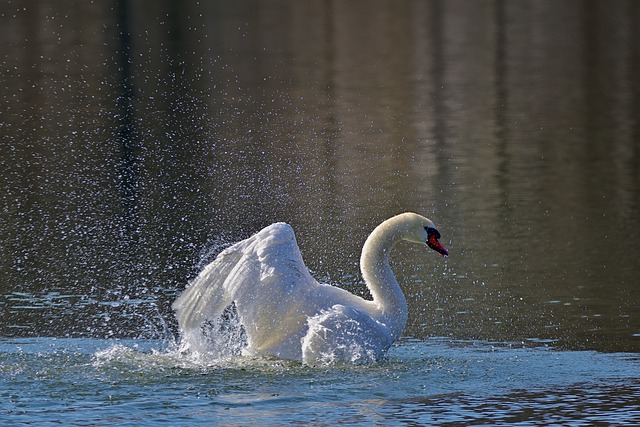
x: 47, y: 381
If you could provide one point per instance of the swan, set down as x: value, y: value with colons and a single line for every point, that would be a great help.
x: 287, y: 314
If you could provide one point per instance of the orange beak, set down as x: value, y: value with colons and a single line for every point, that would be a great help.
x: 434, y: 244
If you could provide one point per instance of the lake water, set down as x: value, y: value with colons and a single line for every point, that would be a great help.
x: 422, y: 382
x: 138, y: 139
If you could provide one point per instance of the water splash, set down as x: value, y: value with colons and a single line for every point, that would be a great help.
x: 348, y: 346
x: 216, y: 340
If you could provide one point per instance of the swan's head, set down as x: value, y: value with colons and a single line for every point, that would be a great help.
x: 433, y: 241
x: 422, y: 230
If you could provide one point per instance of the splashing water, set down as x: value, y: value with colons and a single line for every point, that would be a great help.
x: 224, y: 340
x: 77, y: 381
x: 345, y: 350
x: 217, y: 340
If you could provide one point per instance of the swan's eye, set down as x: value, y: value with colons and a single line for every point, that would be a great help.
x: 432, y: 232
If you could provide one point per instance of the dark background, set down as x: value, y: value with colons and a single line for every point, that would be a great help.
x: 138, y: 138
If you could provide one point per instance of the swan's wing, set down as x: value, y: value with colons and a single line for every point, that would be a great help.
x: 206, y: 296
x: 257, y: 274
x: 344, y: 334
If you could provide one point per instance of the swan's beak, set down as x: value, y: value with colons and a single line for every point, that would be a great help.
x: 433, y: 243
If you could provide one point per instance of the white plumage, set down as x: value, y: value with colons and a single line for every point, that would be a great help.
x: 286, y: 313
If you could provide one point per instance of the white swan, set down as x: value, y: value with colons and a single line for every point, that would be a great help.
x: 286, y: 313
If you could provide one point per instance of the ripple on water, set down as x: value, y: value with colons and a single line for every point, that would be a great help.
x: 93, y: 382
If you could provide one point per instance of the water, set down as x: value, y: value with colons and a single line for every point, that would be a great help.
x: 136, y: 141
x: 93, y: 382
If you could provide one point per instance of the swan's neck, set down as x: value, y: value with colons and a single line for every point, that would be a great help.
x: 376, y: 271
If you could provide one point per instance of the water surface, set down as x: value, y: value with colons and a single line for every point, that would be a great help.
x: 93, y: 382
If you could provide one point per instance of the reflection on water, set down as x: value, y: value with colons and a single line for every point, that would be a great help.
x: 138, y: 141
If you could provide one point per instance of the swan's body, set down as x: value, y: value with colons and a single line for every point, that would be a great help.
x: 286, y: 313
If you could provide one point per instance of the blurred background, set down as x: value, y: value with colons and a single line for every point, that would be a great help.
x: 138, y: 138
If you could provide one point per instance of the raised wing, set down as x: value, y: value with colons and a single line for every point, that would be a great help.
x: 264, y: 276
